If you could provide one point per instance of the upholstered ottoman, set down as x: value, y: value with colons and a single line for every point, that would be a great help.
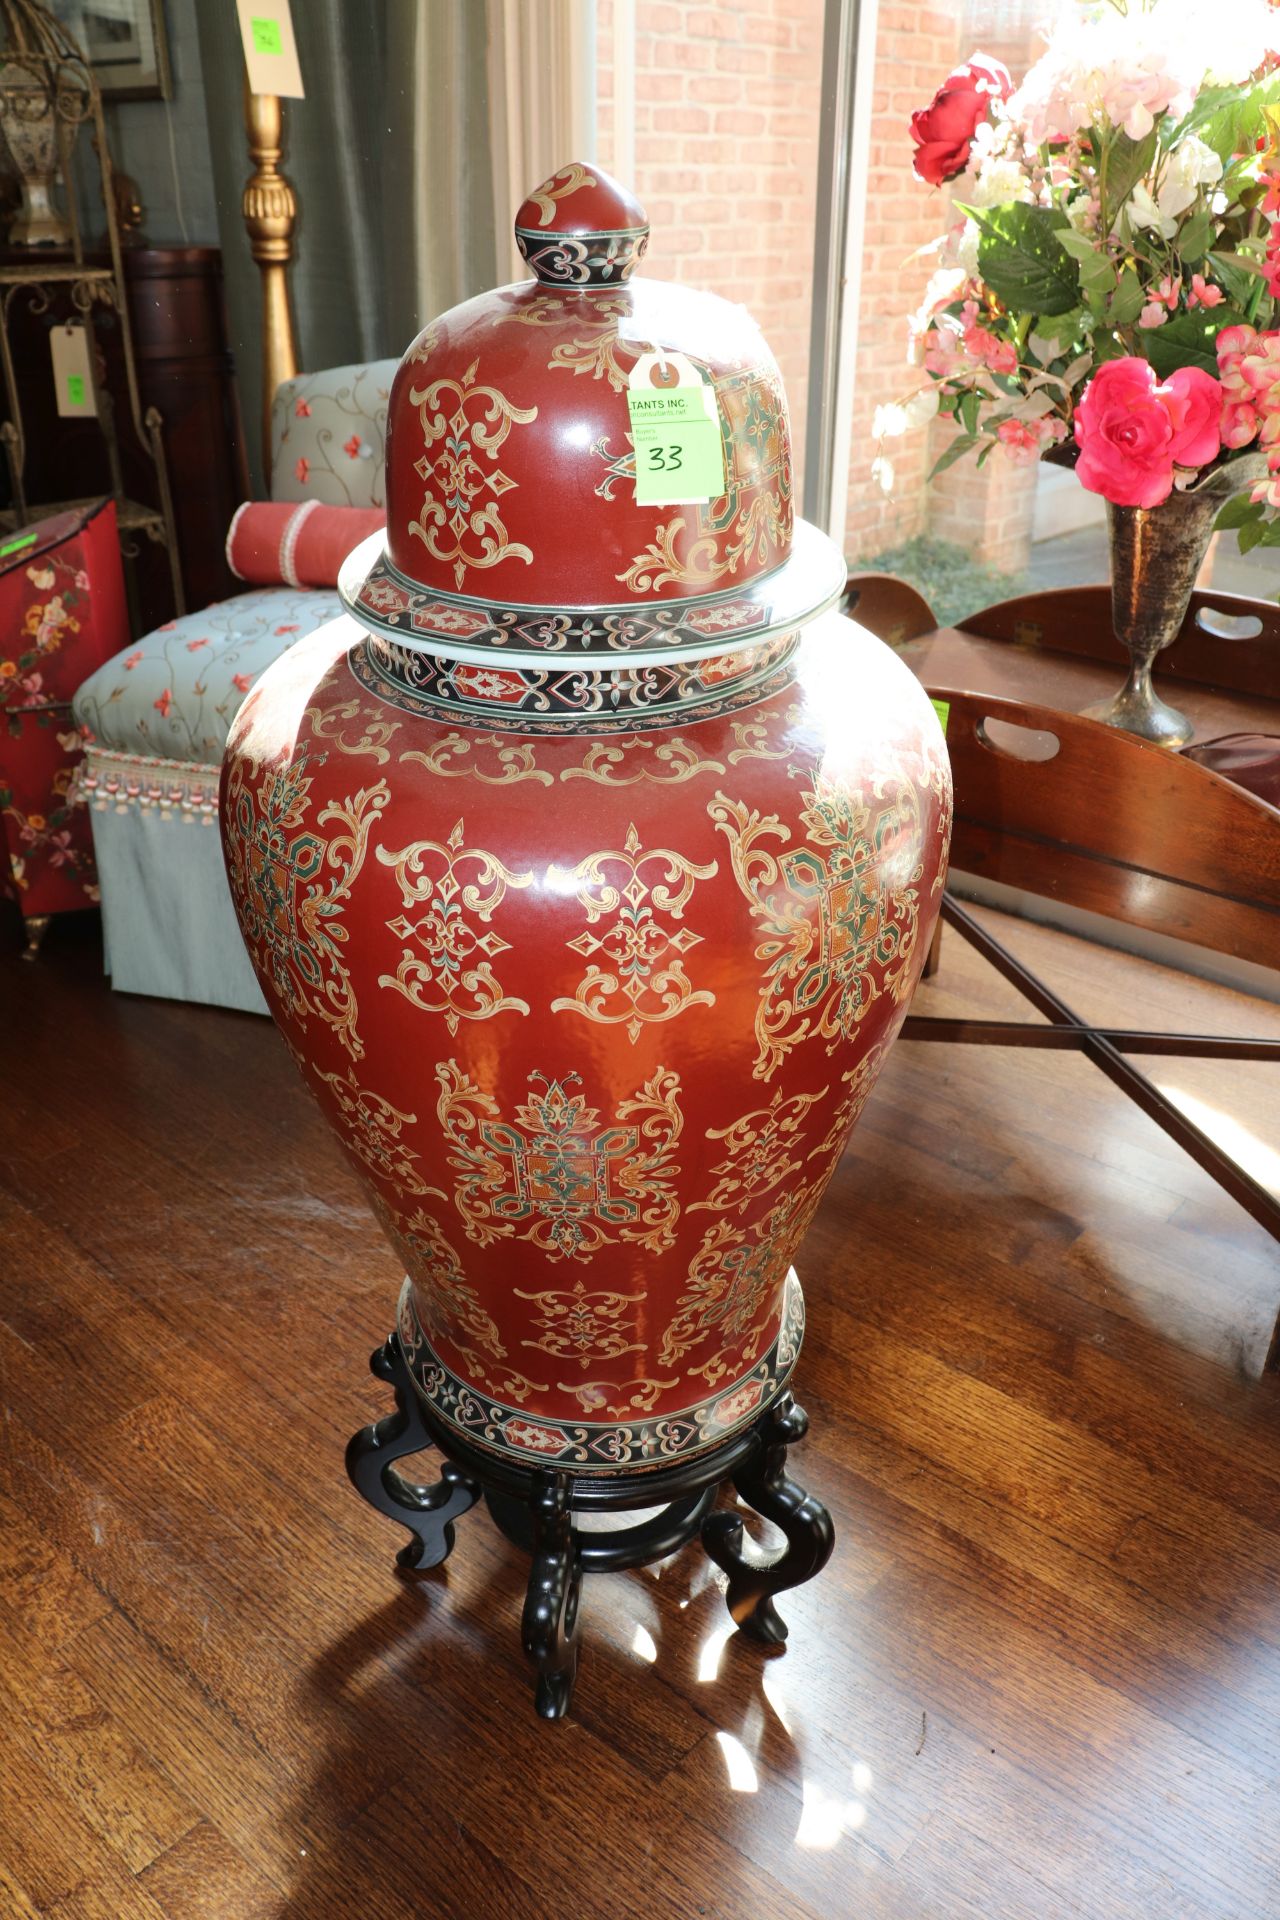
x: 157, y: 715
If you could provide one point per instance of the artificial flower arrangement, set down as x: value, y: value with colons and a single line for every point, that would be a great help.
x: 1108, y: 294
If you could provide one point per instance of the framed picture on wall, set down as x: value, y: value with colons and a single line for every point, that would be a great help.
x: 124, y: 42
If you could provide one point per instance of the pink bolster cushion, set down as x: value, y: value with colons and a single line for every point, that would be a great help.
x: 284, y: 543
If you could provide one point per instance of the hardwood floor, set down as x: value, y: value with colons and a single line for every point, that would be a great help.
x: 1040, y: 1677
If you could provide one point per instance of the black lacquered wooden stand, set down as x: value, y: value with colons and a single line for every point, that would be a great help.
x: 535, y: 1507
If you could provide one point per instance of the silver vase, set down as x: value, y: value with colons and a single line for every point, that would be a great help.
x: 28, y: 120
x: 1156, y: 557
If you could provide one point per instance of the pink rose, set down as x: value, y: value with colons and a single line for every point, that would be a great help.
x: 1131, y: 431
x: 943, y: 131
x: 1194, y: 400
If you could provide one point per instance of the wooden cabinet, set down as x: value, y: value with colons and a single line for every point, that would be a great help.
x: 185, y: 369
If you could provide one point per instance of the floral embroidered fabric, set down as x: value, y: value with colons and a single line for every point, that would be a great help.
x: 175, y: 694
x: 328, y: 435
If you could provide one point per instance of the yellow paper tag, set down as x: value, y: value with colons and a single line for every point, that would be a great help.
x: 72, y: 375
x: 675, y: 430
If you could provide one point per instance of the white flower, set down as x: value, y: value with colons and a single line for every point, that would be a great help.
x: 896, y: 417
x: 889, y: 422
x: 882, y: 473
x: 998, y: 182
x: 922, y: 406
x: 944, y: 287
x: 1080, y: 209
x: 1125, y: 69
x: 966, y: 249
x: 1190, y: 166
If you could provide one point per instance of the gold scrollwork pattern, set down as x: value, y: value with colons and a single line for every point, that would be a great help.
x: 563, y: 182
x: 292, y: 885
x: 557, y: 1177
x: 759, y: 530
x: 733, y: 1286
x: 373, y: 1130
x: 664, y: 763
x: 643, y: 979
x: 447, y: 963
x: 375, y: 730
x: 460, y: 504
x: 425, y: 344
x: 594, y: 346
x: 449, y: 1308
x: 588, y: 1327
x: 839, y: 913
x: 857, y: 1084
x: 753, y: 738
x: 762, y: 1153
x: 605, y: 1396
x: 455, y: 757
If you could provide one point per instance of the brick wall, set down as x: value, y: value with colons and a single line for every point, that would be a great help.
x: 726, y: 138
x: 726, y: 141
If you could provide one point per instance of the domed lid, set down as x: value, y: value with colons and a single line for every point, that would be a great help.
x: 589, y: 464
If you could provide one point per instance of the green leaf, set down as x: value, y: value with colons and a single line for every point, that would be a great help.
x: 1097, y: 275
x: 1127, y: 162
x: 967, y: 412
x: 1237, y: 512
x: 1253, y: 534
x: 1127, y: 301
x: 1108, y: 346
x: 1078, y: 245
x: 1237, y: 274
x: 1194, y: 240
x: 1064, y: 328
x: 1230, y: 121
x: 1022, y: 260
x: 1187, y: 340
x: 956, y: 451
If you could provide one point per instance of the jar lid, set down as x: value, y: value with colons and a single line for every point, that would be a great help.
x: 516, y: 519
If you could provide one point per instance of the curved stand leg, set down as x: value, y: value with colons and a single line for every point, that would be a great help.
x: 428, y: 1512
x: 762, y: 1481
x: 550, y: 1625
x: 35, y: 926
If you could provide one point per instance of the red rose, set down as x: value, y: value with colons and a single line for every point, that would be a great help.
x: 943, y: 131
x: 1131, y: 430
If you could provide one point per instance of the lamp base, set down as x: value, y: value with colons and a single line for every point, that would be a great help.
x: 539, y: 1508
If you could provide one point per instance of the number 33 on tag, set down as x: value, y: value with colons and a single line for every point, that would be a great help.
x: 675, y: 430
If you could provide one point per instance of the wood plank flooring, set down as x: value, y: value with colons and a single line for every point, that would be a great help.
x: 1040, y: 1678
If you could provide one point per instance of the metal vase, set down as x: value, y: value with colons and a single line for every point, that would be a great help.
x: 1156, y: 557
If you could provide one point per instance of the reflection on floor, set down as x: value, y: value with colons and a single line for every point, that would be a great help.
x: 1039, y: 1680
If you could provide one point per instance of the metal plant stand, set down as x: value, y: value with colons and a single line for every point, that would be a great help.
x: 536, y: 1508
x: 44, y: 77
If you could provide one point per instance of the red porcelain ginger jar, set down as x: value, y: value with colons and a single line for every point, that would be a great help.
x: 588, y: 864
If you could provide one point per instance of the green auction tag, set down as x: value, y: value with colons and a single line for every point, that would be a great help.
x: 675, y: 430
x: 75, y: 389
x: 16, y: 546
x: 943, y: 710
x: 267, y: 37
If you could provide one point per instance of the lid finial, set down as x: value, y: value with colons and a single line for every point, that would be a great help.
x: 580, y: 228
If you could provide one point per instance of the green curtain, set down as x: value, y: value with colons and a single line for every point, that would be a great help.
x: 390, y: 156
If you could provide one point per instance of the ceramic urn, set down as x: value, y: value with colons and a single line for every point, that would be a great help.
x: 589, y: 862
